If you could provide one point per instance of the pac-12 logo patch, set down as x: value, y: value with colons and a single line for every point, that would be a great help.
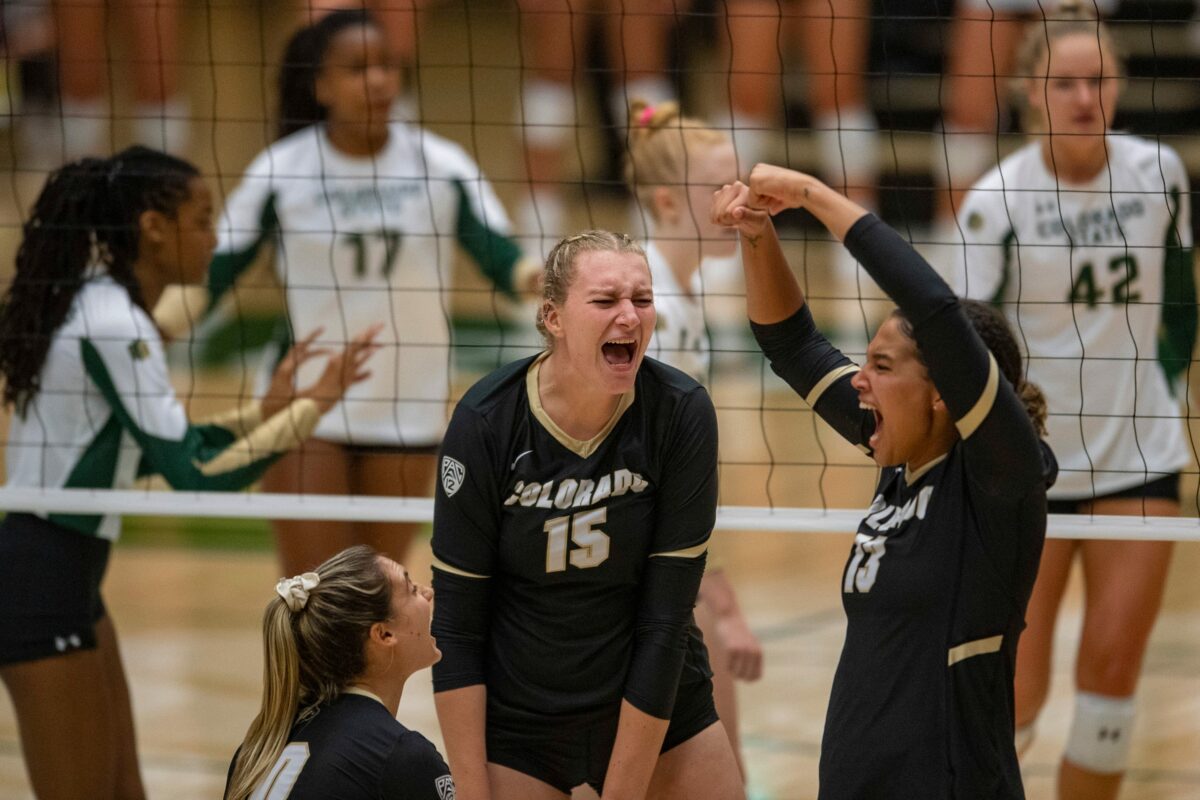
x: 445, y: 784
x: 453, y: 473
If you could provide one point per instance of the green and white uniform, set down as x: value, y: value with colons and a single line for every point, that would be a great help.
x: 365, y: 240
x: 105, y: 413
x: 1097, y: 281
x: 680, y: 335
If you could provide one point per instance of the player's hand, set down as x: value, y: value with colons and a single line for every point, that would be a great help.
x: 777, y: 189
x: 734, y: 206
x: 283, y: 383
x: 742, y: 646
x: 344, y: 369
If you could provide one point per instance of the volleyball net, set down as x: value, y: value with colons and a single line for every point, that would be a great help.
x: 876, y: 97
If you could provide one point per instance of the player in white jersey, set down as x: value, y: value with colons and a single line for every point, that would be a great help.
x: 674, y: 165
x: 1084, y: 238
x: 84, y: 370
x: 365, y: 218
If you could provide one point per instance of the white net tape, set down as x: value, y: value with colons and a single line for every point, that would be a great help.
x: 407, y: 509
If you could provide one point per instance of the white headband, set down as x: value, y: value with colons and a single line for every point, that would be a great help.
x: 294, y: 591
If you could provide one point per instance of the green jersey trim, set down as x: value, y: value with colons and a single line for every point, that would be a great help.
x: 1177, y: 330
x: 96, y: 469
x: 179, y: 462
x: 495, y: 253
x: 225, y: 268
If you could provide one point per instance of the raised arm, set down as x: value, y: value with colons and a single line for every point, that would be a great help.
x: 782, y: 322
x: 1001, y: 441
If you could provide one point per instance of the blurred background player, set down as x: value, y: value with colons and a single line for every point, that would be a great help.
x: 982, y: 44
x: 160, y: 114
x: 85, y: 372
x: 339, y: 643
x: 675, y: 164
x: 578, y: 492
x: 401, y: 22
x: 835, y: 40
x: 364, y: 215
x: 553, y: 50
x: 1084, y: 235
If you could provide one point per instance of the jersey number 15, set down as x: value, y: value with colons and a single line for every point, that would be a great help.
x: 591, y: 543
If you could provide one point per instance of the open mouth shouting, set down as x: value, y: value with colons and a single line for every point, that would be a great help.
x: 620, y: 353
x: 873, y: 442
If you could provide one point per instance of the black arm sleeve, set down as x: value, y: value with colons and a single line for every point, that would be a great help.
x: 1003, y: 453
x: 684, y: 517
x: 465, y: 535
x: 817, y: 371
x: 415, y: 770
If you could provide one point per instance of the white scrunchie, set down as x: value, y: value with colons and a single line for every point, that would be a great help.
x: 294, y: 591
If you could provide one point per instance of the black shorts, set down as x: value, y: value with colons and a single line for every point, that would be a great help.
x: 49, y: 588
x: 1165, y: 488
x: 567, y: 753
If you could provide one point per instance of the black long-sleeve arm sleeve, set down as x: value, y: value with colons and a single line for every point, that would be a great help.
x: 465, y: 533
x: 818, y: 372
x: 684, y: 519
x: 1003, y: 450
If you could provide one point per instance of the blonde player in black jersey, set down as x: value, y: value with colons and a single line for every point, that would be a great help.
x: 578, y: 491
x: 339, y: 643
x: 674, y: 164
x: 84, y: 369
x: 1084, y: 237
x: 942, y: 566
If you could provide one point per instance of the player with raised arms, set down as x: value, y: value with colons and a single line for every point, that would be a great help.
x: 674, y: 164
x: 1084, y: 238
x: 339, y: 643
x: 85, y: 373
x: 365, y: 216
x: 942, y: 566
x: 578, y: 491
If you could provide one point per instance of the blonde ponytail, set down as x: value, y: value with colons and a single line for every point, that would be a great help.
x: 661, y: 140
x: 268, y: 733
x: 310, y: 655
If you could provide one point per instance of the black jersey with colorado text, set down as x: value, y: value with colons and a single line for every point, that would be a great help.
x: 354, y: 749
x: 566, y: 570
x: 942, y: 566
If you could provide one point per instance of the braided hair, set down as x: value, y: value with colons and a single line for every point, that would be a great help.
x: 302, y: 62
x: 86, y: 215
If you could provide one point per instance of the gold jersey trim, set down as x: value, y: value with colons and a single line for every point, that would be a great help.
x: 983, y: 406
x: 444, y: 567
x: 911, y: 476
x: 689, y: 552
x: 978, y: 647
x: 580, y: 447
x: 830, y: 378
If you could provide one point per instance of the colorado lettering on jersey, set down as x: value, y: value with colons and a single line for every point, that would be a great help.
x: 1092, y: 226
x: 882, y: 516
x: 370, y: 198
x: 572, y: 493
